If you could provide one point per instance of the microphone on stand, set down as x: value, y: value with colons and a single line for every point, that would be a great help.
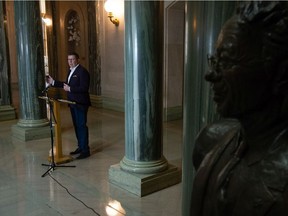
x: 47, y: 76
x: 46, y: 89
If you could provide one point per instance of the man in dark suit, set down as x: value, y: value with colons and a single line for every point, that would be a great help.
x: 77, y: 87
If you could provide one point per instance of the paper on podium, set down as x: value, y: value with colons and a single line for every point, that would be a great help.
x: 43, y: 97
x: 60, y: 100
x: 66, y: 101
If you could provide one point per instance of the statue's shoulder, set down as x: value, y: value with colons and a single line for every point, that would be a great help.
x: 275, y: 164
x: 211, y: 135
x: 217, y: 130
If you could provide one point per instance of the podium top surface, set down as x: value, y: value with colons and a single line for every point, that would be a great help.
x: 60, y: 100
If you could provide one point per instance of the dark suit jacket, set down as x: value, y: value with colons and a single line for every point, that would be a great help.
x: 258, y: 186
x: 79, y: 86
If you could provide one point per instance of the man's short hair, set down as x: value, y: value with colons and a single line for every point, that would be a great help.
x: 74, y: 54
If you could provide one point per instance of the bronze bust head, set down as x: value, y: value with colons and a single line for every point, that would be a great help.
x: 242, y: 160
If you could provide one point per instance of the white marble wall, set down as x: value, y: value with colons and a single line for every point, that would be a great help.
x: 112, y: 60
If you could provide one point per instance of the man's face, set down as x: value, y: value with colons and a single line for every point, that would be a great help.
x: 236, y: 73
x: 72, y: 61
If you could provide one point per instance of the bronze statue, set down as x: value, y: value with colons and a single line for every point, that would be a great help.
x: 242, y: 160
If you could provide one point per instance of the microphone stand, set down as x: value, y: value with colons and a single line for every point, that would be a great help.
x: 52, y: 165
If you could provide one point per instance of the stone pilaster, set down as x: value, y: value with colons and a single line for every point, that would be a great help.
x: 202, y: 25
x: 7, y: 112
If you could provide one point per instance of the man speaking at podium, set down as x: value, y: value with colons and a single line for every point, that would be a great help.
x: 77, y: 88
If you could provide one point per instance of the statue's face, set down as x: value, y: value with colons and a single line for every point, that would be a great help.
x: 236, y: 73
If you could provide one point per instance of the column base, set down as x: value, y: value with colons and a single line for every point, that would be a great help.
x: 144, y: 167
x: 96, y: 101
x: 7, y: 112
x: 144, y: 184
x: 30, y: 133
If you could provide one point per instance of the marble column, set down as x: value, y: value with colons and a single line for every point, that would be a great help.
x: 143, y: 169
x: 202, y: 25
x: 32, y: 123
x: 7, y: 112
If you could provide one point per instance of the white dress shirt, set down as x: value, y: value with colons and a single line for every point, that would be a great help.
x: 71, y: 72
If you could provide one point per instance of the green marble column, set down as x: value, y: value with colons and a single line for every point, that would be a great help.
x: 143, y: 167
x: 32, y: 123
x: 7, y: 112
x: 203, y: 23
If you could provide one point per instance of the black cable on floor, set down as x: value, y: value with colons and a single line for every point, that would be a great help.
x: 73, y: 195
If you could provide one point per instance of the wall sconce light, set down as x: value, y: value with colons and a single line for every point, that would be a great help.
x: 47, y: 21
x: 110, y: 7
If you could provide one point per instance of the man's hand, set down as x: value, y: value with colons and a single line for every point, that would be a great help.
x: 66, y: 87
x: 49, y: 79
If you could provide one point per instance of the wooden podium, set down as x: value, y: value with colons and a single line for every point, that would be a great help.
x: 59, y: 158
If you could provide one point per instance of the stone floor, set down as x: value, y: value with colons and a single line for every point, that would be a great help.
x: 84, y: 189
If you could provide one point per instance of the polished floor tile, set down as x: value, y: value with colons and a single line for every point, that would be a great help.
x: 83, y: 189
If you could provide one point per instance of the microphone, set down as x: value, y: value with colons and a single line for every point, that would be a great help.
x: 46, y: 89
